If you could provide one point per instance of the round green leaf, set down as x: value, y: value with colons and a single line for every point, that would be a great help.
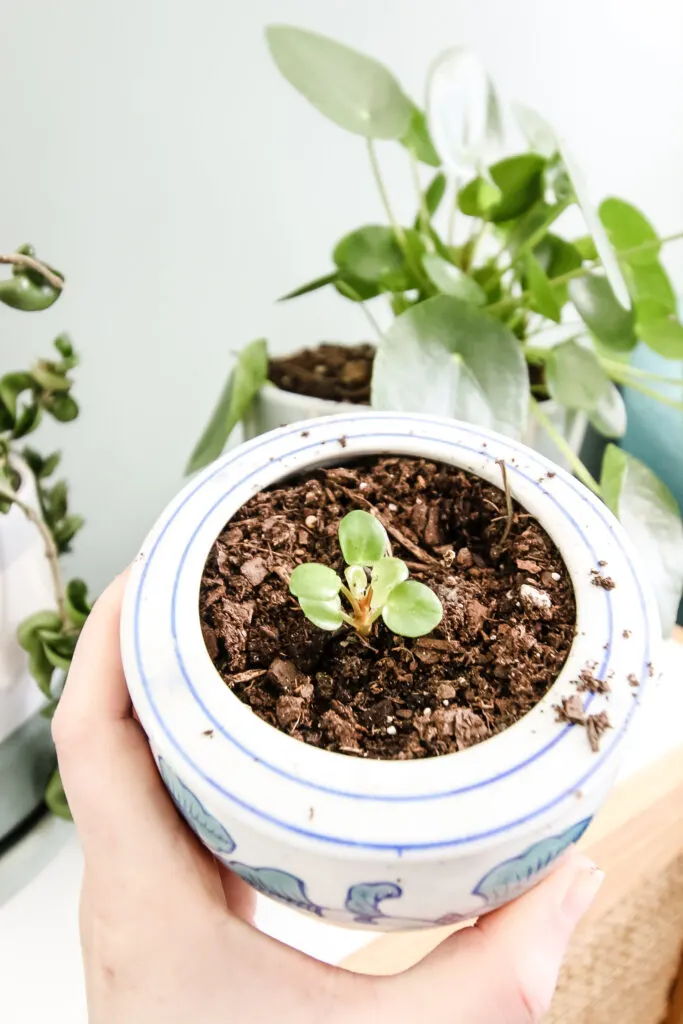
x: 649, y: 514
x: 597, y: 306
x: 412, y: 609
x: 445, y: 357
x: 557, y: 256
x: 323, y: 614
x: 354, y: 289
x: 663, y: 335
x: 315, y: 581
x: 354, y: 91
x: 627, y: 228
x: 575, y: 377
x: 649, y: 282
x: 372, y: 254
x: 386, y: 574
x: 452, y: 281
x: 520, y: 182
x: 362, y: 538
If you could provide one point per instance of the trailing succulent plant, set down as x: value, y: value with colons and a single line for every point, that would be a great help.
x: 26, y: 396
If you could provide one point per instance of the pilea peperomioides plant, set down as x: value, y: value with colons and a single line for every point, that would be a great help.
x: 376, y: 585
x: 489, y: 306
x: 48, y: 636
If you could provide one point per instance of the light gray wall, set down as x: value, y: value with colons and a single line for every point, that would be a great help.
x: 150, y: 149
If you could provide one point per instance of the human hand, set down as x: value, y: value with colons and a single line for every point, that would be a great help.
x: 165, y: 929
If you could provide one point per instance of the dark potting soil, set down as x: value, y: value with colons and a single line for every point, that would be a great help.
x: 509, y: 613
x: 339, y: 373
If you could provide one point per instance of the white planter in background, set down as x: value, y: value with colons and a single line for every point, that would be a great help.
x: 274, y: 408
x: 388, y: 844
x: 25, y: 587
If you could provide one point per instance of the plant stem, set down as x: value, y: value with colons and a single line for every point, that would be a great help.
x: 565, y: 448
x: 51, y: 552
x: 384, y: 196
x: 450, y: 235
x: 634, y: 371
x: 631, y: 382
x: 508, y: 500
x: 351, y: 293
x: 20, y: 259
x: 422, y: 202
x: 582, y: 271
x: 396, y: 227
x: 476, y: 240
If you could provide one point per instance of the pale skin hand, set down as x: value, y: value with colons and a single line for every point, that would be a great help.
x: 165, y: 930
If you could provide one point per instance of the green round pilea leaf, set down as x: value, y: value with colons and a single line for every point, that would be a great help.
x: 362, y: 538
x: 314, y: 582
x: 412, y: 609
x: 323, y: 614
x: 386, y: 575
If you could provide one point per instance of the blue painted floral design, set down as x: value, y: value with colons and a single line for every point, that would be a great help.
x: 280, y: 885
x: 363, y: 900
x: 208, y: 828
x: 512, y: 877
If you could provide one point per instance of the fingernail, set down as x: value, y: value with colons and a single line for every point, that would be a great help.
x: 582, y: 890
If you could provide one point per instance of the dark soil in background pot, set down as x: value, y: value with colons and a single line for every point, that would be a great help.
x: 509, y: 613
x: 339, y: 373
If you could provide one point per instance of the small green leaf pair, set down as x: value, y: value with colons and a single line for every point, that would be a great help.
x: 50, y: 641
x: 27, y: 289
x: 376, y: 585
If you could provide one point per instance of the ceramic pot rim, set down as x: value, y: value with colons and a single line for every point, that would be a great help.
x: 520, y: 776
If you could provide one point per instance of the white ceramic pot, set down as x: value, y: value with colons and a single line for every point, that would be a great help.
x: 394, y: 844
x: 274, y: 408
x: 26, y: 756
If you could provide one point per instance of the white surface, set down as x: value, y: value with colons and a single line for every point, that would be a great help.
x: 39, y: 926
x: 153, y: 152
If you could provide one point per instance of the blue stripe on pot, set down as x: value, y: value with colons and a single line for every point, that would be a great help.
x: 654, y: 430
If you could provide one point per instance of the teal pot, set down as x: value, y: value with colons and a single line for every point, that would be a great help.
x: 655, y: 430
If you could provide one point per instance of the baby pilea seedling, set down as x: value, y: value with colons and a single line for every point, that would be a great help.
x: 376, y: 585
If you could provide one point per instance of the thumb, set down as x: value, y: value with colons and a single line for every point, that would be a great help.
x: 505, y: 968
